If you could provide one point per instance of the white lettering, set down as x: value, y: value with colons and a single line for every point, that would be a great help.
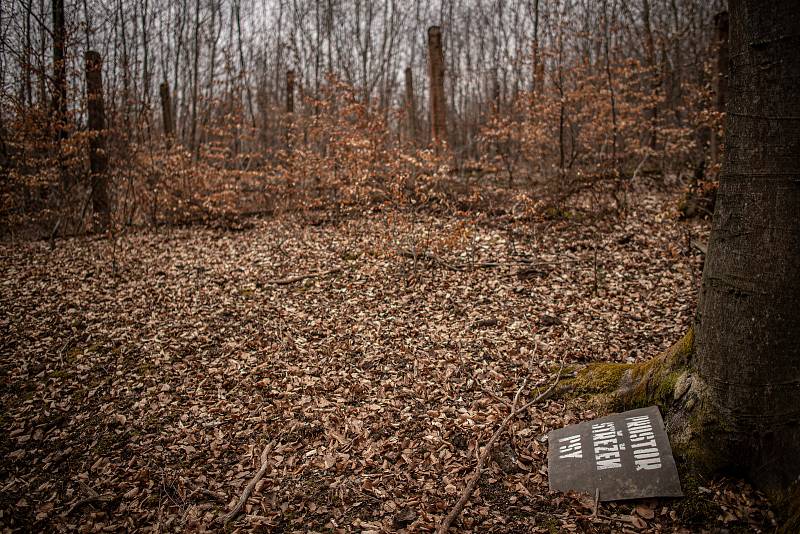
x: 606, y: 446
x: 571, y: 447
x: 649, y: 463
x: 608, y: 464
x: 645, y: 453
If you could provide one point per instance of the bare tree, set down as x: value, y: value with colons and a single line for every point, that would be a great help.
x: 166, y: 111
x: 59, y: 69
x: 436, y: 78
x: 98, y: 160
x: 411, y: 105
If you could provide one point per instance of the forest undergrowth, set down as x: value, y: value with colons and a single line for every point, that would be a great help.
x: 144, y: 374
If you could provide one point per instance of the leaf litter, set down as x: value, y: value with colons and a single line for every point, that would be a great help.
x: 143, y: 376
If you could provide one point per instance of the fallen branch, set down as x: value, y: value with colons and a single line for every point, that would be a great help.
x: 93, y: 497
x: 250, y: 486
x: 301, y: 277
x: 476, y: 475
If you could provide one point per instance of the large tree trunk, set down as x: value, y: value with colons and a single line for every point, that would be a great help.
x: 731, y: 388
x: 748, y: 326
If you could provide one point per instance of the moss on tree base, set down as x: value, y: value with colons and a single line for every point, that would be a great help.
x: 624, y: 386
x: 666, y: 381
x: 697, y: 435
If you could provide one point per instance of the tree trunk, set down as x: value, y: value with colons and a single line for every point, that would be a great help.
x: 193, y: 144
x: 411, y: 106
x: 535, y: 50
x: 98, y: 160
x: 27, y: 84
x: 166, y: 112
x: 41, y: 74
x: 59, y: 70
x: 720, y: 77
x: 747, y: 347
x: 611, y: 93
x: 731, y: 388
x: 436, y: 76
x: 289, y: 107
x: 290, y: 91
x: 653, y: 74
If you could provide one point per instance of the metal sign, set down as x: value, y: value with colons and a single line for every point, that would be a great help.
x: 624, y: 456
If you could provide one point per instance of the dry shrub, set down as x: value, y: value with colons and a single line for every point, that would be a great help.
x: 568, y: 136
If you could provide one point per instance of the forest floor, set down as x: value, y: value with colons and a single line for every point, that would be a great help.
x: 143, y: 376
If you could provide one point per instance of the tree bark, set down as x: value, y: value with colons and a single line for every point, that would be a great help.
x: 653, y: 74
x: 290, y: 91
x: 289, y: 108
x: 166, y: 112
x: 436, y: 77
x: 747, y: 346
x: 59, y: 70
x: 731, y: 387
x: 98, y: 160
x: 411, y: 106
x: 535, y: 60
x: 27, y: 67
x: 720, y: 78
x: 193, y: 143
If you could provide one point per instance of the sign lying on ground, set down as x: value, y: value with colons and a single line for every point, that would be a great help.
x: 624, y: 456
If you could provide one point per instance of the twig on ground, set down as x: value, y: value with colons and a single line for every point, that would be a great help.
x: 251, y: 485
x: 299, y: 278
x: 596, y: 502
x: 473, y: 481
x: 93, y: 497
x: 414, y: 255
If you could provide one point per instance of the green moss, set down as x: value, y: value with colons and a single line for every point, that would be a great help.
x: 655, y: 386
x: 653, y: 382
x: 550, y: 523
x: 350, y: 256
x: 627, y: 386
x: 697, y: 506
x: 59, y: 373
x: 681, y: 352
x: 599, y: 378
x: 556, y: 213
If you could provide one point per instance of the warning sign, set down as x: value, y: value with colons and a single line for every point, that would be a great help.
x: 625, y: 455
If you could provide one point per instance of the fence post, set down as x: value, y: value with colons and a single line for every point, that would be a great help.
x: 98, y: 159
x: 436, y: 76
